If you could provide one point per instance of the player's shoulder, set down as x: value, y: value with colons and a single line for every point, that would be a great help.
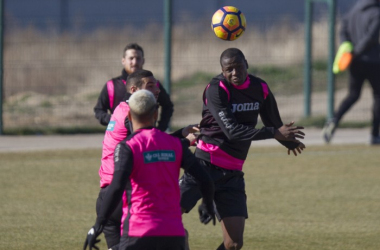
x: 165, y: 137
x: 123, y: 107
x: 216, y: 83
x: 258, y: 82
x: 121, y: 112
x: 116, y: 80
x: 217, y: 79
x: 256, y: 79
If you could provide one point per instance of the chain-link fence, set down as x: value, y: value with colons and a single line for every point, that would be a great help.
x: 58, y: 54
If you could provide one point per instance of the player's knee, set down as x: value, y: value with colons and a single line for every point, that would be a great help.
x: 233, y: 244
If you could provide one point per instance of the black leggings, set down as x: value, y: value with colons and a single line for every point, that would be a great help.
x: 359, y: 72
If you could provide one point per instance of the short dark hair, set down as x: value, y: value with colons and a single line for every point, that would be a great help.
x: 134, y: 46
x: 230, y: 53
x: 134, y: 79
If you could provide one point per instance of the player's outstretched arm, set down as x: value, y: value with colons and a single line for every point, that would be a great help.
x: 189, y: 132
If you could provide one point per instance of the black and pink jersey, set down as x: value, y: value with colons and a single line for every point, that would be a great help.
x: 148, y: 162
x: 229, y: 117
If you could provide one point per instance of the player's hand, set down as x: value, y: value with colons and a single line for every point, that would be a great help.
x: 91, y: 240
x: 206, y: 213
x: 298, y: 149
x: 191, y: 129
x: 288, y: 132
x: 192, y: 138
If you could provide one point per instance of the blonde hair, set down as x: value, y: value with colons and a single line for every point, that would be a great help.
x: 142, y: 104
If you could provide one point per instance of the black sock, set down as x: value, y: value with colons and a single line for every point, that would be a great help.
x: 221, y: 247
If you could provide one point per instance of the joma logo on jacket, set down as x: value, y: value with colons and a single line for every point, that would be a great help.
x: 245, y: 107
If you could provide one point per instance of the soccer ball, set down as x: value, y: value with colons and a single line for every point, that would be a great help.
x: 228, y: 23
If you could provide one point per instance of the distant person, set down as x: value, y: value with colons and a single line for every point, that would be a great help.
x: 149, y: 161
x: 361, y: 27
x: 113, y: 91
x: 117, y: 130
x: 232, y: 102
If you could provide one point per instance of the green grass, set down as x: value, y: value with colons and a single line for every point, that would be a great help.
x: 326, y: 198
x: 54, y: 130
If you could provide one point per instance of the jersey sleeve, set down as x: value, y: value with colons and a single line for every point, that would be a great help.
x: 123, y: 158
x: 271, y: 117
x: 166, y: 108
x: 218, y: 104
x: 102, y: 106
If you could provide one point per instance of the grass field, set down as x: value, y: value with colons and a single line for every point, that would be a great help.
x: 326, y: 198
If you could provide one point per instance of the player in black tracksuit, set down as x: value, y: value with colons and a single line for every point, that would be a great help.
x: 232, y: 103
x: 361, y: 27
x: 114, y: 91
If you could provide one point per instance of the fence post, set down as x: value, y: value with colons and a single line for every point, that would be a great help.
x: 307, y: 67
x: 330, y: 76
x: 64, y: 15
x: 167, y: 41
x: 1, y: 64
x: 308, y: 55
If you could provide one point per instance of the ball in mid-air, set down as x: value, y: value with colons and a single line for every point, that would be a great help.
x: 228, y: 23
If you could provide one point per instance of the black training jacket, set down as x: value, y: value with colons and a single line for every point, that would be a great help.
x: 229, y: 118
x: 114, y: 92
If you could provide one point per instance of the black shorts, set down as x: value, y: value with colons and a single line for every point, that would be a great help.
x: 230, y: 199
x: 152, y: 243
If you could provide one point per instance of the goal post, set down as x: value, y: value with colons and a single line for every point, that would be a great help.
x: 309, y: 4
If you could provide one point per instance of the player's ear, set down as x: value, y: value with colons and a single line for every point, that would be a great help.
x: 246, y: 63
x: 223, y: 73
x: 143, y: 61
x: 133, y: 89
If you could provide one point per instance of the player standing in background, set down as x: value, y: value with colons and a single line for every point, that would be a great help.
x: 113, y: 91
x: 361, y: 27
x: 232, y: 102
x: 149, y: 161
